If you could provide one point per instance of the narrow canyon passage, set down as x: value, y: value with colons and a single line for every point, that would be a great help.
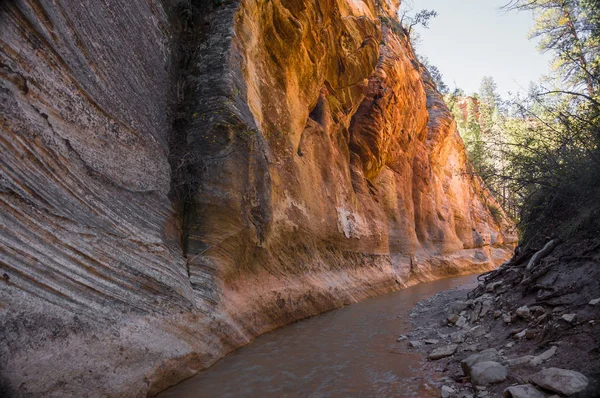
x: 348, y: 352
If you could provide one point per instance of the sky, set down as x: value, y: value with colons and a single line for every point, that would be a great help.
x: 470, y: 39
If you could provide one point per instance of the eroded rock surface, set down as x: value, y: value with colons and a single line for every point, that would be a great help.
x: 177, y: 178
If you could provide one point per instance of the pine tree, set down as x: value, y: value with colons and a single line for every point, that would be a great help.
x: 570, y: 29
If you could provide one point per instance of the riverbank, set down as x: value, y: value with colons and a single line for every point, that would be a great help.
x: 502, y: 339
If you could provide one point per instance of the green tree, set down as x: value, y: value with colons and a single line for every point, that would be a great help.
x: 570, y: 30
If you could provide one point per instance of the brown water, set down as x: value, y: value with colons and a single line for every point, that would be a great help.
x: 350, y: 352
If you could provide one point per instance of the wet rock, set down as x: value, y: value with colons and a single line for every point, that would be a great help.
x: 562, y: 381
x: 569, y: 317
x: 595, y: 301
x: 538, y: 360
x: 523, y: 391
x: 448, y: 392
x: 443, y: 352
x: 489, y: 355
x: 488, y: 372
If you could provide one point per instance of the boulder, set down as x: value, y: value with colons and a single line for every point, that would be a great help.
x: 443, y: 352
x: 484, y: 356
x: 488, y: 372
x: 562, y: 381
x: 523, y: 391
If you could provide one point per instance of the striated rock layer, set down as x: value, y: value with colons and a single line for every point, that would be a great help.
x: 177, y: 178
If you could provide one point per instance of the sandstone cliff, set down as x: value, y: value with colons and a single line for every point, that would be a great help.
x: 177, y: 178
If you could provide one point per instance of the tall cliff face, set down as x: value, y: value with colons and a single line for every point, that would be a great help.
x: 178, y: 178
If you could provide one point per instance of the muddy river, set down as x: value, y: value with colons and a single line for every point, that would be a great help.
x: 350, y: 352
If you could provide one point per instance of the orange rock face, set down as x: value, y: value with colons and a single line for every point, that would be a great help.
x: 313, y: 164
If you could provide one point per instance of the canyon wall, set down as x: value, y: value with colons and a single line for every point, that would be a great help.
x: 179, y: 177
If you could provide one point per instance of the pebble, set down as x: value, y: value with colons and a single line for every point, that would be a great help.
x: 562, y: 381
x: 521, y: 334
x: 402, y: 338
x: 523, y: 312
x: 415, y: 344
x: 478, y: 331
x: 462, y: 321
x: 448, y: 392
x: 443, y: 352
x: 569, y: 317
x: 595, y: 301
x: 523, y: 391
x: 431, y: 341
x: 520, y: 361
x: 538, y: 360
x: 458, y: 337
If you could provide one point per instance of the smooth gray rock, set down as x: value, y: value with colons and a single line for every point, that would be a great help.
x: 431, y: 341
x: 523, y: 391
x: 562, y: 381
x: 488, y: 372
x: 595, y: 301
x: 415, y: 344
x: 443, y: 352
x: 569, y: 317
x: 448, y: 392
x: 484, y: 356
x: 543, y: 356
x: 520, y: 361
x: 461, y: 321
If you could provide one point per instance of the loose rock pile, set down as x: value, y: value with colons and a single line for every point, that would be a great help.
x: 488, y: 346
